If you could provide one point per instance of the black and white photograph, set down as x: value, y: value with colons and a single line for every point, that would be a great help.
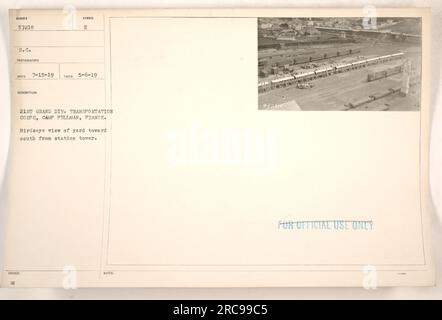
x: 339, y: 64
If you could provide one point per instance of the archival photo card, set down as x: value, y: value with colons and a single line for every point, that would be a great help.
x: 348, y: 64
x: 150, y: 161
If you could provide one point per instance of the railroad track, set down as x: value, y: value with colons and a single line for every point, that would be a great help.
x: 290, y: 80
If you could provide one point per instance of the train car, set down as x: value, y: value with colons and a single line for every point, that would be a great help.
x: 269, y: 46
x: 333, y: 54
x: 394, y: 70
x: 398, y: 55
x: 276, y: 60
x: 343, y: 52
x: 263, y: 86
x: 263, y: 73
x: 379, y: 95
x: 343, y: 67
x: 301, y: 59
x: 282, y: 82
x: 359, y: 64
x: 316, y: 57
x: 320, y: 72
x: 359, y: 102
x: 305, y: 76
x: 384, y: 73
x: 309, y: 75
x: 324, y: 71
x: 262, y: 62
x: 330, y: 54
x: 372, y: 60
x: 287, y: 65
x: 299, y: 76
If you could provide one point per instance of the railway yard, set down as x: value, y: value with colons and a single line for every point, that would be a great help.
x: 367, y: 73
